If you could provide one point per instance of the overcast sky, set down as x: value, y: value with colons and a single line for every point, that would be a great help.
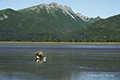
x: 90, y: 8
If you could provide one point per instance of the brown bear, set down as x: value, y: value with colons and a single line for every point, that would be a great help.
x: 39, y: 54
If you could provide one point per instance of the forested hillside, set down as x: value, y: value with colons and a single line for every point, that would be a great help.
x: 42, y: 22
x: 102, y: 30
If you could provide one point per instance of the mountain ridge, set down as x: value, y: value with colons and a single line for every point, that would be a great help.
x: 66, y: 10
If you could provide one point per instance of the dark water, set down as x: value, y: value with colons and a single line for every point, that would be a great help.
x: 85, y: 62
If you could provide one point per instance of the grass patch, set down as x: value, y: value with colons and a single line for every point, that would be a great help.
x: 62, y: 42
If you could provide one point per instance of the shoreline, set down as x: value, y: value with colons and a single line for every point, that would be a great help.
x: 60, y: 43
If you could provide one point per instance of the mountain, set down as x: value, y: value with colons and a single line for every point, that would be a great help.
x: 41, y: 22
x: 102, y: 30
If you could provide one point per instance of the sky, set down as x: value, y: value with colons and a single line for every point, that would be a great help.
x: 90, y: 8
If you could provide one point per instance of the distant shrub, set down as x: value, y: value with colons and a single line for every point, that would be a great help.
x: 70, y: 40
x: 80, y: 40
x: 19, y: 40
x: 115, y: 40
x: 76, y: 40
x: 87, y: 40
x: 108, y: 40
x: 47, y: 40
x: 32, y: 40
x: 92, y: 41
x: 59, y: 40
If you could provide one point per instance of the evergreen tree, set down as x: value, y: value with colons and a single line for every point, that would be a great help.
x: 76, y: 40
x: 80, y: 40
x: 115, y: 40
x: 88, y: 40
x: 47, y: 40
x: 99, y: 40
x: 111, y: 40
x: 108, y: 40
x: 19, y: 40
x: 70, y: 40
x: 58, y: 40
x: 92, y: 40
x: 54, y: 40
x: 32, y: 40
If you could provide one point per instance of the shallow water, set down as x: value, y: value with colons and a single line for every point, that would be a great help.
x: 71, y: 48
x: 18, y: 62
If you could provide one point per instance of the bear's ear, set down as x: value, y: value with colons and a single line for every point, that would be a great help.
x: 37, y: 53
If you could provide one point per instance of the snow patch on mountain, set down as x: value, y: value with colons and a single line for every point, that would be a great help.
x: 4, y: 17
x: 84, y: 18
x: 65, y: 9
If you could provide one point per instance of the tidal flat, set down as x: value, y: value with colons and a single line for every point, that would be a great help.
x: 63, y: 62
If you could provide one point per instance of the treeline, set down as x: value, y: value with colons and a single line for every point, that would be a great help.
x: 60, y: 40
x: 15, y: 35
x: 87, y: 40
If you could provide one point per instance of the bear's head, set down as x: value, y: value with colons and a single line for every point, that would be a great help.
x: 40, y: 54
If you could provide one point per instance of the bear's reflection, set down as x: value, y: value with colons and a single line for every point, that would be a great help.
x: 40, y: 60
